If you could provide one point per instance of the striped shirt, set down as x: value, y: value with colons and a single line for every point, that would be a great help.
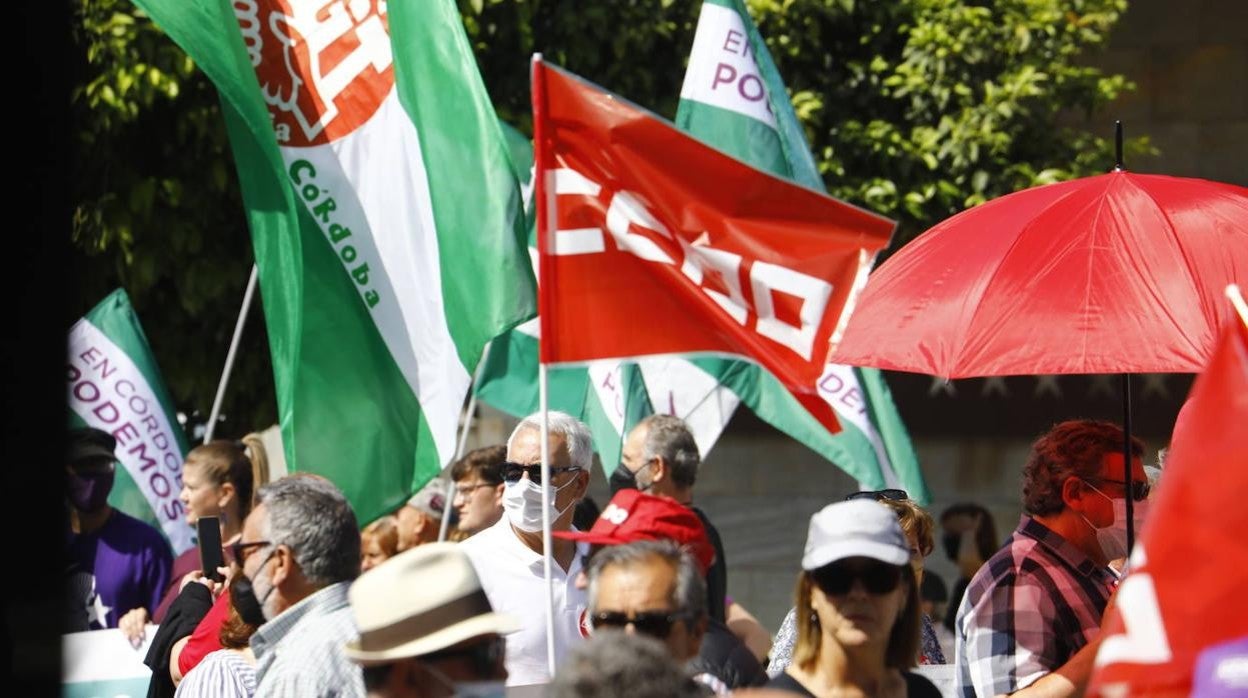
x: 221, y: 674
x: 300, y: 652
x: 1035, y: 603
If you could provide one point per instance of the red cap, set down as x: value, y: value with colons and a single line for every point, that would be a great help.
x: 632, y: 516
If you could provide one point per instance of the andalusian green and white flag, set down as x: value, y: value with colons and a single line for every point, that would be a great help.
x: 385, y: 217
x: 115, y: 385
x: 733, y: 98
x: 609, y: 396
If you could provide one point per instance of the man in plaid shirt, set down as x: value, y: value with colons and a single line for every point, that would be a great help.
x: 1030, y: 620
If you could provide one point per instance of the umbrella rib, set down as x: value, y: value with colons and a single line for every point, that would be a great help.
x: 1001, y: 262
x: 1187, y: 264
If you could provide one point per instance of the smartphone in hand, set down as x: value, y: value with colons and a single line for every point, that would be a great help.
x: 211, y: 556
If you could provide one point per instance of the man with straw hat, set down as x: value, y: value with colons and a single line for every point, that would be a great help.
x: 427, y: 628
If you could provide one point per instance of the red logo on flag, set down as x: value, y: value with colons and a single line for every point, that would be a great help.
x: 324, y: 67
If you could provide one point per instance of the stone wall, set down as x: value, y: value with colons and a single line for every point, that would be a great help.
x: 1190, y: 63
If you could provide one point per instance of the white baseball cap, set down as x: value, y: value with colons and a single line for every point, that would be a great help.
x: 857, y: 528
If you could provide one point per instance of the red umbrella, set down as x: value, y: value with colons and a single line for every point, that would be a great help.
x: 1117, y: 273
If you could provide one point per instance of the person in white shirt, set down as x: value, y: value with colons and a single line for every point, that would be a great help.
x: 508, y: 556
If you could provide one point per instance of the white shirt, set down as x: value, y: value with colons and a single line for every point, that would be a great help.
x: 514, y: 579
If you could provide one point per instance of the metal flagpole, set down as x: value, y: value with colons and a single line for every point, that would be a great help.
x: 548, y: 552
x: 545, y: 196
x: 229, y: 357
x: 463, y: 442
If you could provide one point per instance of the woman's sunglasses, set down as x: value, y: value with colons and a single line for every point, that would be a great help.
x: 838, y: 578
x: 657, y: 624
x: 877, y: 495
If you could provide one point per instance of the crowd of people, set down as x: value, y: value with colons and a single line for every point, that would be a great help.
x: 309, y: 603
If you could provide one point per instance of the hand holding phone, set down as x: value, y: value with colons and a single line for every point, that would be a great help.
x: 211, y: 555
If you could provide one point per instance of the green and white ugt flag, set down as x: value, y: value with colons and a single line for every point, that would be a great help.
x: 115, y: 385
x: 609, y: 396
x: 734, y: 99
x: 386, y: 222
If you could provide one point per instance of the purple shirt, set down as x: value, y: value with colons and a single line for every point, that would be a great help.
x: 130, y: 563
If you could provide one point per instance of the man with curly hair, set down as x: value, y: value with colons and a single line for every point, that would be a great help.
x: 1030, y: 621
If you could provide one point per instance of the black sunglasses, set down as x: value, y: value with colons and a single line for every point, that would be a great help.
x: 838, y: 578
x: 877, y: 495
x: 1139, y: 488
x: 513, y: 471
x: 656, y: 624
x: 484, y: 657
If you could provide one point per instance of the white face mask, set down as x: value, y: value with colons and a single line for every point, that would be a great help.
x: 1113, y: 538
x: 522, y: 500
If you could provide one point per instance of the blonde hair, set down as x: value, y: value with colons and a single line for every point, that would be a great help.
x: 223, y: 461
x: 385, y: 531
x: 903, y: 641
x: 914, y: 521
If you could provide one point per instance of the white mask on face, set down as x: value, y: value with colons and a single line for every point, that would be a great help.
x: 522, y: 500
x: 1113, y: 538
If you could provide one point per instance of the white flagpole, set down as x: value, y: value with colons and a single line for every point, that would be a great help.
x: 463, y: 442
x: 229, y: 356
x: 546, y: 230
x: 1237, y: 300
x: 547, y: 551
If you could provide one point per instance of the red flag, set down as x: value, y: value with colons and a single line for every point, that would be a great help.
x: 1185, y: 596
x: 651, y: 242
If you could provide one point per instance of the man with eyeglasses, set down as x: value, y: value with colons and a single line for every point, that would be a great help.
x: 299, y: 552
x: 118, y: 563
x: 478, y: 478
x: 1030, y: 621
x: 508, y: 556
x: 650, y: 587
x: 627, y: 575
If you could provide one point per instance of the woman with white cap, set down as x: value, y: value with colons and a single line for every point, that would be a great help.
x: 857, y: 608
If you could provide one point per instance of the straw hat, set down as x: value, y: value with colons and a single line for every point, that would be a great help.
x: 419, y: 602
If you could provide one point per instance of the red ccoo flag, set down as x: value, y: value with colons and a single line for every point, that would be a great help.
x: 651, y: 242
x: 1180, y: 621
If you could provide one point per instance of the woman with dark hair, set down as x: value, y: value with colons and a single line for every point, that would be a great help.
x: 857, y: 608
x: 969, y: 538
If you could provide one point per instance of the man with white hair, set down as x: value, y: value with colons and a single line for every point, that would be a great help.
x: 508, y: 556
x: 299, y: 552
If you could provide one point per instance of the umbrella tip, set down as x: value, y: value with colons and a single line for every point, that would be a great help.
x: 1118, y: 145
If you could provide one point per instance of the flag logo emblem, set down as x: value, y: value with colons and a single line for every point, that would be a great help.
x: 324, y: 67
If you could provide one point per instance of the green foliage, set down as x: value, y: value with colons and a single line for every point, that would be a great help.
x: 914, y: 108
x: 157, y: 210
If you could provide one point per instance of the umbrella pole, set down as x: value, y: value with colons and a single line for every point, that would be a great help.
x: 1126, y: 458
x: 1118, y: 145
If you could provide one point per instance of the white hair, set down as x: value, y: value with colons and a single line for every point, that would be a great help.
x: 574, y: 432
